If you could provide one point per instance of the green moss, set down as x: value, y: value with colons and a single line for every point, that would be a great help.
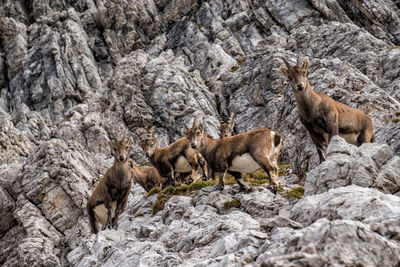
x: 159, y: 205
x: 198, y: 25
x: 154, y: 190
x: 297, y: 192
x: 217, y: 103
x: 139, y: 215
x: 396, y: 120
x: 207, y: 83
x: 191, y: 69
x: 234, y: 203
x: 234, y: 68
x: 240, y: 62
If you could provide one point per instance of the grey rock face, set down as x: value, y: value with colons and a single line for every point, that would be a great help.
x: 370, y: 165
x: 72, y: 72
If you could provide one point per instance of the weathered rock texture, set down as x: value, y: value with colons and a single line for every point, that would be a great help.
x: 72, y: 71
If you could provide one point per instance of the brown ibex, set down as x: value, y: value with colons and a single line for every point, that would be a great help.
x: 110, y: 196
x: 226, y: 128
x: 324, y: 117
x: 147, y: 178
x: 242, y: 153
x: 178, y: 157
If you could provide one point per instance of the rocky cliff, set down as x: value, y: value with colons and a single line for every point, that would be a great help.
x: 72, y: 70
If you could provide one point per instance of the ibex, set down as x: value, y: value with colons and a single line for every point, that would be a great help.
x: 226, y: 128
x: 178, y: 157
x: 242, y: 153
x: 147, y: 178
x: 110, y: 196
x: 324, y: 117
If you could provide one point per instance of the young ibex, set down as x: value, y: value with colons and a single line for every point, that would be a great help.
x: 147, y: 178
x: 178, y: 157
x: 226, y: 128
x: 110, y: 196
x: 242, y: 153
x: 324, y: 117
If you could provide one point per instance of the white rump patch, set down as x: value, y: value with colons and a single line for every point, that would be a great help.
x: 182, y: 165
x: 244, y: 164
x: 100, y: 213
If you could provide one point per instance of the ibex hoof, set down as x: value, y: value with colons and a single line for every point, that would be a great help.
x: 246, y: 189
x: 205, y: 178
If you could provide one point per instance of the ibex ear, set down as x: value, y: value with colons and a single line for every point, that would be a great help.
x: 155, y: 139
x: 306, y: 64
x: 184, y: 132
x: 284, y: 71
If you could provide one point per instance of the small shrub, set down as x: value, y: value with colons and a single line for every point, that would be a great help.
x: 191, y: 69
x: 234, y: 203
x: 395, y: 120
x: 139, y: 215
x: 240, y: 62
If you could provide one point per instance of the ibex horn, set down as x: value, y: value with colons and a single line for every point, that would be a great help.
x: 230, y: 118
x: 286, y: 63
x: 195, y: 122
x: 150, y: 134
x: 187, y: 127
x: 299, y: 60
x: 123, y: 139
x: 113, y: 136
x: 221, y: 121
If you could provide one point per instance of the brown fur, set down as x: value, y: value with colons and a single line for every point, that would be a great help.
x: 115, y: 186
x: 148, y: 178
x: 262, y: 145
x: 164, y: 159
x: 321, y: 115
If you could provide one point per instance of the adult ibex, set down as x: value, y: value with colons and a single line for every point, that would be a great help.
x: 147, y: 178
x: 324, y: 117
x: 178, y: 157
x: 242, y: 153
x: 110, y: 196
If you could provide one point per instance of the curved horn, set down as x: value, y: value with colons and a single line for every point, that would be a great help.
x: 299, y: 60
x: 123, y: 138
x: 114, y: 137
x: 141, y: 133
x: 195, y: 122
x: 187, y: 127
x: 230, y: 118
x: 221, y: 121
x: 150, y: 133
x: 286, y: 63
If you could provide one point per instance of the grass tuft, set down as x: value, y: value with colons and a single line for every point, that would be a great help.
x: 234, y: 203
x: 297, y: 192
x: 154, y: 190
x: 139, y: 215
x: 396, y: 120
x: 168, y: 192
x: 234, y: 68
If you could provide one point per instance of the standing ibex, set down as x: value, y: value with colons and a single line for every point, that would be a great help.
x: 147, y: 178
x: 242, y: 153
x: 110, y: 196
x: 225, y: 130
x: 324, y: 117
x: 178, y: 157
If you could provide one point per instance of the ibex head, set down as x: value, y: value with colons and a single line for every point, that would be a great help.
x: 297, y: 74
x: 148, y: 142
x: 194, y: 134
x: 226, y: 128
x: 120, y: 149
